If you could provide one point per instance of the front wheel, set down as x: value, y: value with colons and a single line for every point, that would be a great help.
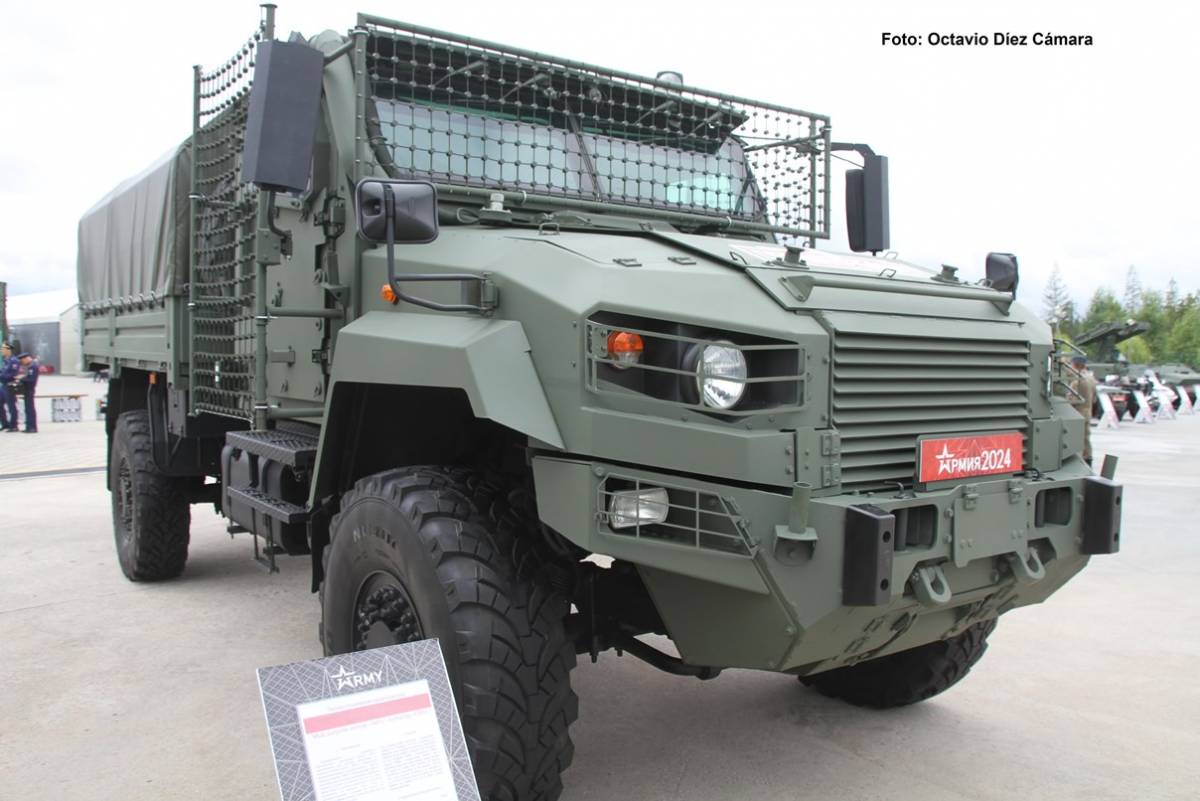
x: 411, y: 557
x: 906, y: 677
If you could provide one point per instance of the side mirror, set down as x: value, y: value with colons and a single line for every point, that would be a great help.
x: 400, y: 211
x: 281, y: 122
x: 867, y: 219
x: 1002, y: 272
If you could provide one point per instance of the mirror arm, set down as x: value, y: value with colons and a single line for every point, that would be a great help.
x: 484, y: 307
x: 285, y: 237
x: 857, y: 147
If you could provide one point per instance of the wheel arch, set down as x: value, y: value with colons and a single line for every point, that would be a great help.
x: 423, y: 389
x: 488, y: 360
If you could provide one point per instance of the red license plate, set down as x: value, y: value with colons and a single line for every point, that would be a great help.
x: 948, y: 458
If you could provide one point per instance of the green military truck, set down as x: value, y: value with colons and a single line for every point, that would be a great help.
x: 539, y: 358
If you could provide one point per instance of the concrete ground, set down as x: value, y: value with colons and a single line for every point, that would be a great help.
x: 57, y: 446
x: 119, y: 691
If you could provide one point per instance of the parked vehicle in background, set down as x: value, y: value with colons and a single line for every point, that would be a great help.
x: 449, y: 318
x: 1112, y: 368
x: 1122, y: 400
x: 1179, y: 377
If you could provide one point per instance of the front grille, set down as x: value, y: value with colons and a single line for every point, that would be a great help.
x: 889, y: 390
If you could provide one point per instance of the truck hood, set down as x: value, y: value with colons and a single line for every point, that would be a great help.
x: 824, y: 280
x: 764, y: 254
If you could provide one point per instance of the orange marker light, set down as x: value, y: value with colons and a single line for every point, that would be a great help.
x: 387, y: 293
x: 625, y: 348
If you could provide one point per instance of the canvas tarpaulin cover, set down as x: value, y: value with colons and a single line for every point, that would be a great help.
x: 133, y: 244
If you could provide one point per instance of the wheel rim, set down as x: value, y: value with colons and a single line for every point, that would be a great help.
x: 384, y: 614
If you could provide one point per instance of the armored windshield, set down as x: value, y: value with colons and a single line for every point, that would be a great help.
x: 472, y: 148
x: 461, y: 112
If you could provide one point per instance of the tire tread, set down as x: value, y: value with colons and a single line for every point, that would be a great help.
x: 906, y: 677
x: 509, y: 621
x: 162, y: 509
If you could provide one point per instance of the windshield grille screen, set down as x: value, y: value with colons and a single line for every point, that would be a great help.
x: 461, y: 112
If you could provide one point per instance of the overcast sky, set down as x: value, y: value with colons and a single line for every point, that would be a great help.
x: 1084, y: 157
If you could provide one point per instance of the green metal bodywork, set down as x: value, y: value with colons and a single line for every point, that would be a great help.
x: 488, y: 359
x: 526, y: 367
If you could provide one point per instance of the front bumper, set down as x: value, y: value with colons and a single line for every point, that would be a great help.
x: 763, y: 583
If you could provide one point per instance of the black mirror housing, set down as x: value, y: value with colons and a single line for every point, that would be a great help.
x: 410, y: 206
x: 867, y: 217
x: 1002, y: 272
x: 281, y: 121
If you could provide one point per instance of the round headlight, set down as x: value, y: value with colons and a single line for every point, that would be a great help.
x: 720, y: 374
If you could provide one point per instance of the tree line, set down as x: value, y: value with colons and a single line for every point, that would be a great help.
x: 1174, y: 319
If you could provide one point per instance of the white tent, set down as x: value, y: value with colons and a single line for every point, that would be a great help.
x: 47, y: 323
x: 40, y: 307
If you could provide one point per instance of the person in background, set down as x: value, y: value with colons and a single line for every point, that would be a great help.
x: 1082, y: 399
x: 10, y: 365
x: 28, y: 380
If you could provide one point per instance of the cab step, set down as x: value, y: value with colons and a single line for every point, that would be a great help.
x: 281, y: 510
x: 290, y: 446
x: 264, y: 479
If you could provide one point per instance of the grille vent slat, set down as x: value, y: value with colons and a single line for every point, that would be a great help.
x: 919, y: 401
x: 921, y: 373
x: 925, y: 359
x: 915, y: 387
x: 887, y: 391
x: 905, y: 344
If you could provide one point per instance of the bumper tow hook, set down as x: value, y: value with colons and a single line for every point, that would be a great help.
x: 930, y: 585
x: 1028, y: 569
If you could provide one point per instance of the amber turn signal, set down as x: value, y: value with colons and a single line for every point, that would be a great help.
x: 625, y: 348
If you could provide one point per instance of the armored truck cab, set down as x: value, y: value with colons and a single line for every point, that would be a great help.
x: 540, y: 358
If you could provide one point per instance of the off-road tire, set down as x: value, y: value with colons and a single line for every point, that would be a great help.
x: 446, y: 534
x: 906, y: 677
x: 151, y: 511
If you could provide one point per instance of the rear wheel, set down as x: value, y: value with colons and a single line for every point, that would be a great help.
x: 906, y: 677
x: 151, y: 511
x: 414, y: 554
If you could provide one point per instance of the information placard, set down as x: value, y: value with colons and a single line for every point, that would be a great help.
x: 369, y: 726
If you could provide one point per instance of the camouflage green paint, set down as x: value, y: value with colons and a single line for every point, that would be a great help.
x: 764, y: 612
x: 525, y: 368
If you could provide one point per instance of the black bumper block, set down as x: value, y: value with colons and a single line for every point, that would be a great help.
x: 868, y: 554
x: 1101, y: 516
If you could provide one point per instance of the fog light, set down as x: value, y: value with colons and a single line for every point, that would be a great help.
x: 638, y: 507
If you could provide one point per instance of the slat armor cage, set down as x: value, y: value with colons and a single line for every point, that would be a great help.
x: 224, y: 222
x: 467, y: 114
